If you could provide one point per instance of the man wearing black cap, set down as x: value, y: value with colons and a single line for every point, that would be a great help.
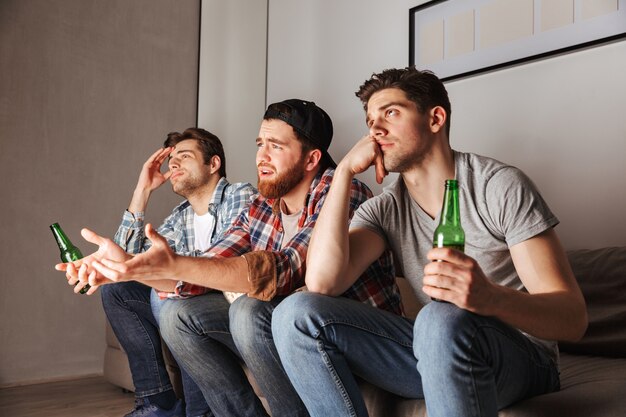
x: 261, y: 256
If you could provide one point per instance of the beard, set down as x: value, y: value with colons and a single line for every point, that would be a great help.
x: 188, y: 186
x: 283, y: 183
x: 402, y: 160
x: 402, y: 163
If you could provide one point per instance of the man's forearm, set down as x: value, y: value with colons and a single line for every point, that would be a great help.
x: 554, y: 307
x: 139, y: 200
x: 223, y: 274
x: 553, y: 316
x: 330, y: 236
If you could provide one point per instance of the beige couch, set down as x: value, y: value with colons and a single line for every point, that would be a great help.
x: 593, y: 371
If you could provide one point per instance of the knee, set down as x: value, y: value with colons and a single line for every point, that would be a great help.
x: 112, y: 295
x: 249, y: 320
x: 295, y: 315
x: 172, y: 317
x: 442, y: 327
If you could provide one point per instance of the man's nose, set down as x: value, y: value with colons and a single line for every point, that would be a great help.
x: 377, y: 128
x: 262, y: 155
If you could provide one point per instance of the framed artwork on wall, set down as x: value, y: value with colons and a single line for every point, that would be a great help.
x: 459, y: 38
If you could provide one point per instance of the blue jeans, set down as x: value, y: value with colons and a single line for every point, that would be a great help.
x: 128, y: 308
x: 461, y: 363
x: 205, y: 334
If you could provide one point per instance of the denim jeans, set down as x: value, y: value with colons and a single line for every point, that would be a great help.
x: 129, y: 311
x: 251, y: 327
x: 461, y: 363
x: 210, y: 338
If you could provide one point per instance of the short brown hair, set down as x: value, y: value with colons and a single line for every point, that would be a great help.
x: 210, y: 145
x: 421, y: 87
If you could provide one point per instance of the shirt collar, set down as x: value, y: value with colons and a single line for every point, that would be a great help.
x: 218, y: 195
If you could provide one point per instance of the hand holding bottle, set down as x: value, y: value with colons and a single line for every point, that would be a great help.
x: 69, y: 252
x: 454, y: 277
x: 81, y: 273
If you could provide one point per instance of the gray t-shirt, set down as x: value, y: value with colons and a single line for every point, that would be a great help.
x: 500, y: 207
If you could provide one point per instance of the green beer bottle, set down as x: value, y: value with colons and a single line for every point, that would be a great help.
x: 69, y: 252
x: 449, y: 233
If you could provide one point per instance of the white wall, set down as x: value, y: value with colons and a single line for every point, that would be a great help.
x: 561, y: 120
x: 232, y: 79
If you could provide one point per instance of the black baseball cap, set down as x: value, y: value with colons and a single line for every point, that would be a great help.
x: 309, y: 120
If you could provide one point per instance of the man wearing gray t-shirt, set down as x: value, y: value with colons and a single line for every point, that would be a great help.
x: 505, y: 301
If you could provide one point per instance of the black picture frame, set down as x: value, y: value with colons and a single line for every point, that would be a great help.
x: 527, y: 50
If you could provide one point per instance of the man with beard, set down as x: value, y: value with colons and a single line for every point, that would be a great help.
x: 197, y: 172
x: 262, y: 256
x: 491, y: 341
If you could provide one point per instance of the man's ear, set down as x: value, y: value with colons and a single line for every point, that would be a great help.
x: 216, y: 164
x: 438, y: 117
x: 313, y: 160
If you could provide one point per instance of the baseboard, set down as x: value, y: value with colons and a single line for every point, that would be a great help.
x: 49, y: 380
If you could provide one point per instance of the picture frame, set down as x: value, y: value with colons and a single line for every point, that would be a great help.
x: 461, y: 38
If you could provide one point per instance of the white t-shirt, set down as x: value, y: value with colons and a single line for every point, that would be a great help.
x: 203, y: 226
x: 290, y: 226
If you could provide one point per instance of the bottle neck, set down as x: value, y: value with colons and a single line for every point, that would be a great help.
x: 450, y: 213
x: 59, y: 235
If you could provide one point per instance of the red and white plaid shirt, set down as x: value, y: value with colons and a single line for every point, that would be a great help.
x: 277, y: 269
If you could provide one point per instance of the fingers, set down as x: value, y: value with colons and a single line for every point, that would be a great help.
x: 381, y: 172
x: 447, y: 255
x: 92, y: 289
x: 153, y: 235
x: 159, y: 156
x: 165, y: 152
x: 71, y: 273
x: 92, y: 237
x: 79, y: 287
x: 111, y: 270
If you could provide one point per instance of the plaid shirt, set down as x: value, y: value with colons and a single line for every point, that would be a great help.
x: 277, y: 269
x: 227, y: 202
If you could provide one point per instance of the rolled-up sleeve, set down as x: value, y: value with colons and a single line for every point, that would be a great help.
x: 261, y: 274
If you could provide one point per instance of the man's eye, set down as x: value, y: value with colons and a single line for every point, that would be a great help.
x: 274, y: 146
x: 391, y: 112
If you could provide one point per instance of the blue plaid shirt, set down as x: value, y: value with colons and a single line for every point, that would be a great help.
x: 227, y: 202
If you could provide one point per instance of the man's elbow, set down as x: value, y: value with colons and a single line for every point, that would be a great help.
x: 578, y: 324
x: 321, y: 282
x: 323, y: 288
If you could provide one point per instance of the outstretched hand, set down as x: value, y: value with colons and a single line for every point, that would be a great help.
x: 156, y: 263
x: 363, y: 155
x: 81, y: 272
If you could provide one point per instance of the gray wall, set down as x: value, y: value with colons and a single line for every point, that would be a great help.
x: 560, y: 119
x: 88, y: 90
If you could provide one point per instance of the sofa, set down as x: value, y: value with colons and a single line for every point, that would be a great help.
x: 593, y: 370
